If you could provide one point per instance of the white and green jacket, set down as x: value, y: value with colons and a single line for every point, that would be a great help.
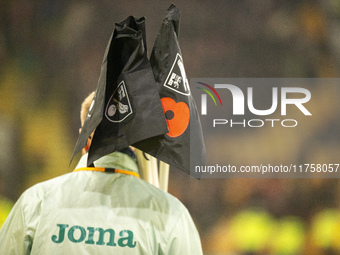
x: 94, y: 212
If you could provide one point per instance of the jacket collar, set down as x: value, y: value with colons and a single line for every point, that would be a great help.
x: 116, y: 159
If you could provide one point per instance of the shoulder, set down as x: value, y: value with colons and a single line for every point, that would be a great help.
x: 160, y: 205
x: 43, y: 189
x: 48, y: 184
x: 157, y: 195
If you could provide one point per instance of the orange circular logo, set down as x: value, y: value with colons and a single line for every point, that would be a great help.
x: 177, y: 116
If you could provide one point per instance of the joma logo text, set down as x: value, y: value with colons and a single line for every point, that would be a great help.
x: 78, y: 234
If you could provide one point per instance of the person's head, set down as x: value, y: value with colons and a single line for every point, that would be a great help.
x: 85, y: 106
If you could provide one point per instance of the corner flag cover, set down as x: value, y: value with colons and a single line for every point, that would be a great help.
x: 178, y: 104
x: 126, y: 107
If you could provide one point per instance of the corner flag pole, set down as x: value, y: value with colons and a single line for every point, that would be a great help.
x: 163, y: 175
x: 153, y: 170
x: 149, y: 170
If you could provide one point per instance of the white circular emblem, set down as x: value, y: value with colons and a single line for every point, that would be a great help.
x: 111, y: 110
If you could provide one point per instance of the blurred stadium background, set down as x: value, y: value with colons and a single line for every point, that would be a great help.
x: 50, y: 57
